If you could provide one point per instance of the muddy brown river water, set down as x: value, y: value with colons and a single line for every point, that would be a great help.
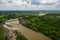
x: 28, y: 33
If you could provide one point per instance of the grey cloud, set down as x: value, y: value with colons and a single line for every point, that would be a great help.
x: 35, y: 2
x: 10, y: 1
x: 47, y: 3
x: 58, y: 6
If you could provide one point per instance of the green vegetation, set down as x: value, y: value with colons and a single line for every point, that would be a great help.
x: 6, y: 38
x: 19, y: 36
x: 1, y: 33
x: 11, y: 15
x: 5, y: 17
x: 48, y: 25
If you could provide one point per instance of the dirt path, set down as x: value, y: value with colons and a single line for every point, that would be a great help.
x: 28, y: 33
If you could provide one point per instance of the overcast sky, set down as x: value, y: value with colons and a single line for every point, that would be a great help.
x: 29, y: 4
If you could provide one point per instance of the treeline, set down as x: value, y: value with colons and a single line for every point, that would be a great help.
x: 54, y: 14
x: 6, y: 15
